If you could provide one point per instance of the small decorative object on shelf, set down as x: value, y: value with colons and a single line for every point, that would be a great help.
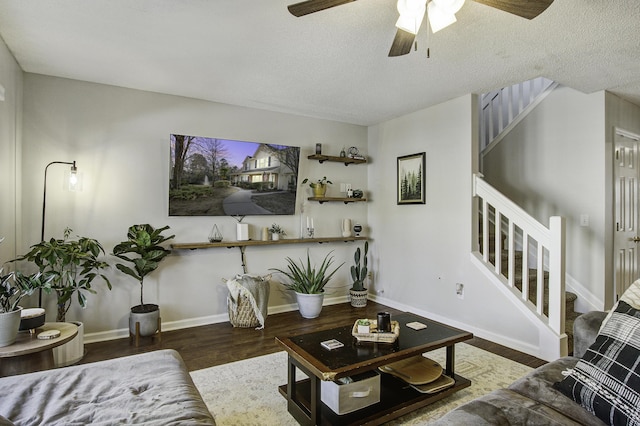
x: 318, y: 148
x: 319, y: 187
x: 357, y: 228
x: 357, y: 193
x: 276, y: 230
x: 215, y: 236
x: 343, y: 153
x: 310, y: 228
x: 346, y: 228
x: 355, y: 153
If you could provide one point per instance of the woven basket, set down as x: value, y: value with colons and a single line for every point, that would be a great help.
x: 244, y: 316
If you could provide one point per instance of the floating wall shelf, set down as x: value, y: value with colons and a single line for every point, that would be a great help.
x: 244, y: 244
x: 334, y: 199
x: 334, y: 159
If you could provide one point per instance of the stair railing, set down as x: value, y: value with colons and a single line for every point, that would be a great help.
x: 542, y: 248
x: 502, y: 109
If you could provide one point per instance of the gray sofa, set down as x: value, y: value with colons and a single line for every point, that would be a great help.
x: 153, y: 388
x: 532, y: 400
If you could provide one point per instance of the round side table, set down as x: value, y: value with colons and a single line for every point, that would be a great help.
x: 29, y: 354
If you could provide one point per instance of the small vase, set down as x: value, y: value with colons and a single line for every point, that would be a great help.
x: 275, y: 236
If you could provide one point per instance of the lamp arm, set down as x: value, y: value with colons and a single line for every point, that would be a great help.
x: 44, y: 191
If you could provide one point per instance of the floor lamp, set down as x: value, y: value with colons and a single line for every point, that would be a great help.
x: 73, y: 182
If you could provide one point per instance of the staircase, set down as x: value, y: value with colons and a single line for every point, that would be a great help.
x: 570, y: 298
x: 531, y: 270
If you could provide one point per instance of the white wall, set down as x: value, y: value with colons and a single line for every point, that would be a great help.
x: 553, y: 163
x: 120, y: 140
x: 10, y: 116
x: 422, y: 251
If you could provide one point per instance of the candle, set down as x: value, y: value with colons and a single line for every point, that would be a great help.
x: 308, y: 222
x: 312, y: 223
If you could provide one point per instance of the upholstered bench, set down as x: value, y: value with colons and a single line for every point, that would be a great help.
x: 150, y: 388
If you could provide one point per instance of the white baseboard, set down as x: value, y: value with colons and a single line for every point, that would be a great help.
x: 102, y: 336
x: 586, y: 300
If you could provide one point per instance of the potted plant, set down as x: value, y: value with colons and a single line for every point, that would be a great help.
x: 74, y: 264
x: 358, y: 291
x: 276, y: 230
x: 142, y: 249
x: 308, y: 282
x: 13, y: 287
x: 319, y: 187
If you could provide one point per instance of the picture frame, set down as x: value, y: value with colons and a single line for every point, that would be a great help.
x: 411, y: 179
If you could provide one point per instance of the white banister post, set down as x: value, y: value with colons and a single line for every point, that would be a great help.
x: 557, y: 274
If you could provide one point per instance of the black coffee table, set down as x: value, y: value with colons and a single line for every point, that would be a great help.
x: 397, y: 398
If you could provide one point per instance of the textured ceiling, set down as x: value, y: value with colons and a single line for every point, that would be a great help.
x: 332, y: 64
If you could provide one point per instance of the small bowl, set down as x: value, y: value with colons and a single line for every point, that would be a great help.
x: 31, y: 318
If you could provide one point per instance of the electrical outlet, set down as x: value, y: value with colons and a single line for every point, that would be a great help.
x: 460, y: 290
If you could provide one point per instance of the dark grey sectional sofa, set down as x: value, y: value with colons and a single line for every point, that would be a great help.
x: 533, y: 400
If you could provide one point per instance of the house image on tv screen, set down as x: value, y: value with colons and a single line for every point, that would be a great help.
x: 267, y: 168
x: 221, y: 177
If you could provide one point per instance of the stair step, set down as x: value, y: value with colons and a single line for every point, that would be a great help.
x: 570, y: 298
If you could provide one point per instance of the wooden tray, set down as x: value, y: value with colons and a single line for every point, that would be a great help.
x: 373, y: 335
x: 416, y: 370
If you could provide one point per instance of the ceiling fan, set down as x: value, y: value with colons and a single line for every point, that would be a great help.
x: 440, y: 13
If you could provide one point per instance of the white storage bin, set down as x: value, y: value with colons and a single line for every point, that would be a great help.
x: 343, y: 398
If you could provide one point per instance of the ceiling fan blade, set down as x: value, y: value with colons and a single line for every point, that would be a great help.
x: 402, y: 43
x: 311, y: 6
x: 525, y: 8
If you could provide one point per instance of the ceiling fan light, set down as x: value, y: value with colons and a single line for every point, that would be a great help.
x: 438, y: 18
x: 448, y: 7
x: 411, y: 15
x: 409, y: 24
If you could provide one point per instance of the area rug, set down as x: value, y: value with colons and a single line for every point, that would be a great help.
x: 246, y: 392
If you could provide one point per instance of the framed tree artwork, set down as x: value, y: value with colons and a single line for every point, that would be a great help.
x: 411, y: 182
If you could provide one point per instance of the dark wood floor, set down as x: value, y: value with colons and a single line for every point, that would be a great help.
x: 216, y: 344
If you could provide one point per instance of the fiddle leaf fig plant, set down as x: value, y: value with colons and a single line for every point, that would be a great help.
x: 73, y: 266
x: 143, y: 251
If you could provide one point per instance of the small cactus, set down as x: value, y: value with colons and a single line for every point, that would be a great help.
x: 359, y: 274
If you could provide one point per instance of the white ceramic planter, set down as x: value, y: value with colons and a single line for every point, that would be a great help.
x: 310, y: 305
x: 9, y: 325
x: 71, y: 352
x: 148, y: 321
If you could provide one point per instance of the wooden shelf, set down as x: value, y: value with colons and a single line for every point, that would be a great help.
x: 339, y: 199
x: 231, y: 244
x: 334, y: 159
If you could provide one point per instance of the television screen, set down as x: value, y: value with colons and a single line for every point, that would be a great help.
x: 221, y: 177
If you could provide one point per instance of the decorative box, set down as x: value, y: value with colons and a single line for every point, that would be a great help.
x: 373, y: 335
x: 351, y: 393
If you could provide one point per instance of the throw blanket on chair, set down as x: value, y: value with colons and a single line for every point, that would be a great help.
x: 255, y: 290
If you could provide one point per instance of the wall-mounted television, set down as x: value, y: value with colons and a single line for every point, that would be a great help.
x: 222, y: 177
